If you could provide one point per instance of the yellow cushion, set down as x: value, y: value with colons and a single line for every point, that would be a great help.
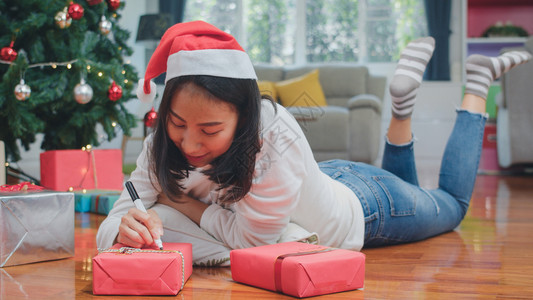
x: 267, y: 88
x: 304, y: 90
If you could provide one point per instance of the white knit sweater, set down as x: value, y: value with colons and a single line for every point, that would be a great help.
x: 288, y: 188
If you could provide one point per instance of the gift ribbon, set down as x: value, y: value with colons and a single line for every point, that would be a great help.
x: 280, y: 258
x: 23, y: 186
x: 96, y: 203
x: 91, y: 163
x: 130, y: 250
x: 95, y: 178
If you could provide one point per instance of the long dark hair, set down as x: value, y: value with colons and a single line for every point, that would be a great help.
x: 234, y: 169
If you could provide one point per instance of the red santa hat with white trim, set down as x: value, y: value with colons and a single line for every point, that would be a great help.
x: 195, y: 48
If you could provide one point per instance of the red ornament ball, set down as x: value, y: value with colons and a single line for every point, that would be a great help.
x: 94, y: 2
x: 114, y: 92
x: 75, y: 11
x: 113, y: 4
x: 8, y: 53
x: 150, y: 118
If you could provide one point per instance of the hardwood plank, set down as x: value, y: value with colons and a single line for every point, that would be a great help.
x: 490, y: 255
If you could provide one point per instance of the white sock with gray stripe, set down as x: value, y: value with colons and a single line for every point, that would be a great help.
x: 408, y: 76
x: 482, y: 70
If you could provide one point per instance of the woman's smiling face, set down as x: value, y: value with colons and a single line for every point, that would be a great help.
x: 201, y: 125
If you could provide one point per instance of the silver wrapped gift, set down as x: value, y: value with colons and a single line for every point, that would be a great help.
x: 35, y: 226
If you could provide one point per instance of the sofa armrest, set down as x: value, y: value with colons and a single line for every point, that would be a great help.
x: 365, y: 101
x: 325, y: 127
x: 314, y: 113
x: 305, y: 113
x: 365, y: 128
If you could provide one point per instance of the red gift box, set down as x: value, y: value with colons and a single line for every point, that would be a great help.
x: 79, y: 169
x: 299, y: 269
x: 123, y: 270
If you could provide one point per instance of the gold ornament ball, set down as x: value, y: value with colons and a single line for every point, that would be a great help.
x: 105, y: 26
x: 63, y: 20
x: 83, y: 93
x: 22, y: 91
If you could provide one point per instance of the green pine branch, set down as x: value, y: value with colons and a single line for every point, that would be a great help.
x: 51, y: 109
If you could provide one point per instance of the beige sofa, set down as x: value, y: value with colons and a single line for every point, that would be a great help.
x: 349, y: 127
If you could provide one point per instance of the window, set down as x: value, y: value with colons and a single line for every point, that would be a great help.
x: 294, y: 31
x: 225, y: 14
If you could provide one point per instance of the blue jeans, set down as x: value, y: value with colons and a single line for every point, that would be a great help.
x: 396, y: 209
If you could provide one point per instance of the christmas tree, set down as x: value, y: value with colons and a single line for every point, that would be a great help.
x: 63, y: 72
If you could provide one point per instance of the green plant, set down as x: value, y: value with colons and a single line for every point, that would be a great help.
x: 507, y: 30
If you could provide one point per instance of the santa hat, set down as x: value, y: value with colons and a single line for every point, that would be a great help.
x: 195, y: 48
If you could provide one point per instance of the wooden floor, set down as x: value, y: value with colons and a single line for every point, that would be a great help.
x: 489, y: 256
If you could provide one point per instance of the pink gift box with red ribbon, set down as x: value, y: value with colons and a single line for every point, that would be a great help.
x: 79, y: 169
x: 122, y: 270
x: 299, y: 269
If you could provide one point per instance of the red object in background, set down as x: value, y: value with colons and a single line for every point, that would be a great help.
x: 489, y: 151
x: 146, y: 272
x: 79, y: 169
x: 115, y: 92
x: 481, y: 14
x: 94, y: 2
x: 299, y: 269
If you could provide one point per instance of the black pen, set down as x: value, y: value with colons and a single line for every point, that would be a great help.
x: 139, y: 204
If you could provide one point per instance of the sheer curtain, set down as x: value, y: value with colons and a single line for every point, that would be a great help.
x: 363, y: 31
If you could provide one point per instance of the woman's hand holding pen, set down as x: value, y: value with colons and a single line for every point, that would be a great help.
x: 138, y: 228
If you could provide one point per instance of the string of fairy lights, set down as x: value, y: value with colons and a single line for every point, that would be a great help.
x: 82, y: 91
